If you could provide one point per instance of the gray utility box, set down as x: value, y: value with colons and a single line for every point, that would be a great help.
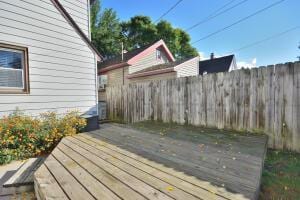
x: 102, y: 110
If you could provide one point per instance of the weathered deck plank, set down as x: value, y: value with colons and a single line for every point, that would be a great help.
x: 149, y: 175
x: 95, y: 187
x: 147, y: 191
x: 46, y: 186
x: 67, y: 182
x: 92, y: 166
x: 110, y: 181
x: 24, y: 175
x: 191, y: 184
x: 234, y: 162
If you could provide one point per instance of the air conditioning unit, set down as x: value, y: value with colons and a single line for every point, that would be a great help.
x: 102, y: 82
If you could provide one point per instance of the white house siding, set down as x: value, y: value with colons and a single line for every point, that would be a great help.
x: 188, y: 68
x: 148, y: 61
x: 79, y: 12
x: 61, y: 66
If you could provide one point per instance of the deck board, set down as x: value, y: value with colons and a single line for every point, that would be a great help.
x: 149, y: 175
x: 104, y: 165
x: 235, y: 162
x: 24, y: 175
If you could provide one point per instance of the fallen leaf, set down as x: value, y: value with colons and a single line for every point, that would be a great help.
x: 170, y: 188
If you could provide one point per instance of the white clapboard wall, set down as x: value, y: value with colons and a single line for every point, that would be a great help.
x: 61, y: 66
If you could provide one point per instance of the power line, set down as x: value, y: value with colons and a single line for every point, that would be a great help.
x: 239, y: 21
x: 265, y: 39
x: 213, y: 15
x: 221, y: 8
x: 174, y: 6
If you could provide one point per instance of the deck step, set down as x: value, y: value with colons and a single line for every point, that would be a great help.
x: 24, y: 175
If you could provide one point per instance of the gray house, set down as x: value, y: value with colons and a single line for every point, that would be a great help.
x: 47, y: 62
x: 215, y: 65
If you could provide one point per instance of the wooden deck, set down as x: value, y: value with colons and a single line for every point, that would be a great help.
x: 90, y: 166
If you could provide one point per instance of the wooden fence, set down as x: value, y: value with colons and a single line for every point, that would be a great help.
x: 265, y: 99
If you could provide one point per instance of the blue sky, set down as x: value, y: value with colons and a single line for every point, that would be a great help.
x: 282, y: 17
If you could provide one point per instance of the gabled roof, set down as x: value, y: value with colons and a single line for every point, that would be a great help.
x: 161, y: 68
x: 133, y: 56
x: 216, y: 65
x: 71, y: 21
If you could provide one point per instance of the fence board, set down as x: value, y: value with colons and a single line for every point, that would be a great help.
x: 264, y: 99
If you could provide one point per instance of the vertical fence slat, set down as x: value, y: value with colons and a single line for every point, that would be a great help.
x: 264, y: 99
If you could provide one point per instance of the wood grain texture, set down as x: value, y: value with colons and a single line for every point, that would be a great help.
x: 86, y: 167
x: 263, y: 100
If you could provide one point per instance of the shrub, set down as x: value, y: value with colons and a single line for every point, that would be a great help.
x: 23, y: 136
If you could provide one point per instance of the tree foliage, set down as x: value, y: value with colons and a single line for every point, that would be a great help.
x: 106, y: 29
x: 108, y: 32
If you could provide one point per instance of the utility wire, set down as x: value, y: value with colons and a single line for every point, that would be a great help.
x: 239, y: 21
x: 174, y: 6
x: 221, y: 8
x: 265, y: 39
x: 217, y: 13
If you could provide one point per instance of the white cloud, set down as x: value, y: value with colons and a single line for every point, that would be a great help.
x: 247, y: 64
x: 202, y: 55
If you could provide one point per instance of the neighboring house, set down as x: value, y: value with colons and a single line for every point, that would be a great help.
x: 114, y: 71
x: 117, y: 68
x: 215, y: 65
x: 151, y: 62
x: 176, y: 69
x: 47, y: 62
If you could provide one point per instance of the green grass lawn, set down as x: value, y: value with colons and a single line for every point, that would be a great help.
x: 281, y: 176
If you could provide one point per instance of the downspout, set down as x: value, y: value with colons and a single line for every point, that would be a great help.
x: 122, y: 53
x: 95, y: 58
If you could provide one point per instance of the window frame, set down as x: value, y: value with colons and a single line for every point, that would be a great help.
x: 158, y: 54
x: 25, y: 72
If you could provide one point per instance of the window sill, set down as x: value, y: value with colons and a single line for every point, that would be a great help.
x: 13, y: 91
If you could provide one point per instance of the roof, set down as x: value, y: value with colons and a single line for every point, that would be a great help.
x: 216, y: 65
x: 133, y: 56
x: 126, y: 56
x: 71, y: 21
x: 161, y: 68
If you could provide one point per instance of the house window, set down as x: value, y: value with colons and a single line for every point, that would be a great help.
x: 158, y: 54
x: 13, y: 69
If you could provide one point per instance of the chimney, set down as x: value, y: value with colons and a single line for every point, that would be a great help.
x: 212, y: 56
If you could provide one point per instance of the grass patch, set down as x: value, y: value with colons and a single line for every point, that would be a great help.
x: 281, y: 176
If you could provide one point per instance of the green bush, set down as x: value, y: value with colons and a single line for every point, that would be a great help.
x: 23, y: 136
